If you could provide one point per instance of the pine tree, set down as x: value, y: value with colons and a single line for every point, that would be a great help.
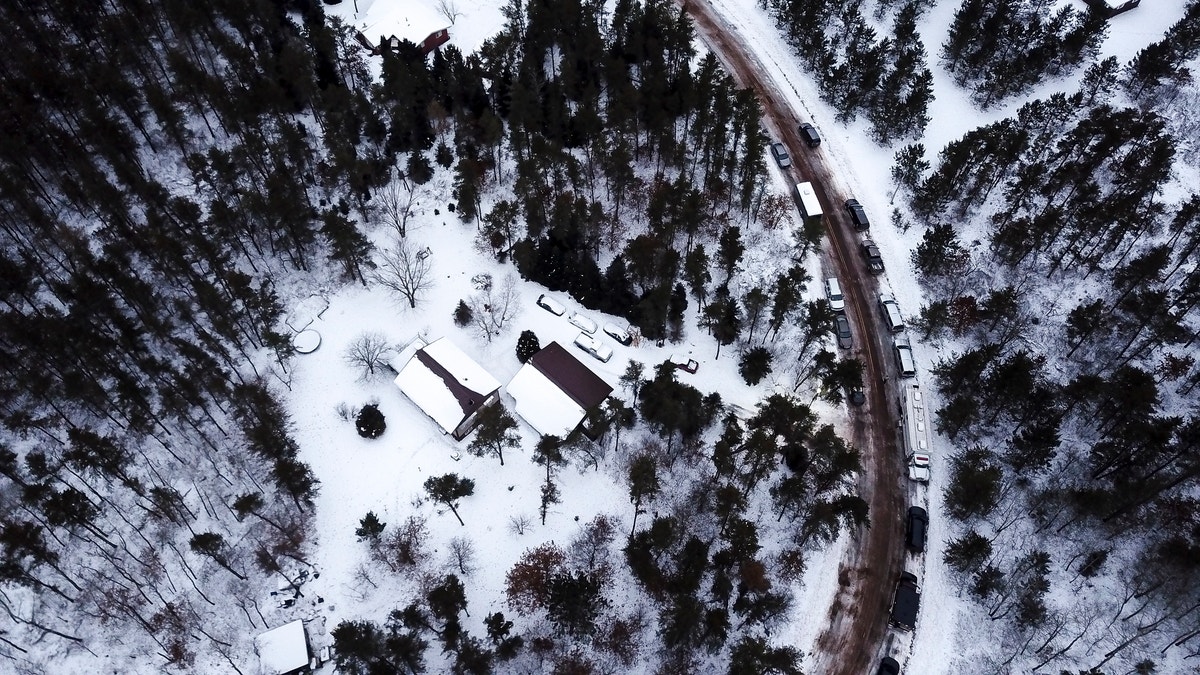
x: 448, y: 489
x: 497, y: 430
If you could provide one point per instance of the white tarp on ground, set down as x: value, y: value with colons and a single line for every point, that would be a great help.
x: 283, y: 649
x: 427, y: 389
x: 542, y: 404
x: 412, y: 20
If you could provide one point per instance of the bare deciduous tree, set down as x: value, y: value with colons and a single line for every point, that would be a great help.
x: 494, y: 308
x: 367, y: 353
x: 405, y: 271
x: 396, y: 201
x: 449, y: 9
x: 462, y: 556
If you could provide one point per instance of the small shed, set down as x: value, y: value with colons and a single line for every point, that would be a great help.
x: 282, y: 650
x: 554, y: 390
x: 446, y: 384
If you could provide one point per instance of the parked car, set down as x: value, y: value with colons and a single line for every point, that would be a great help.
x: 684, y: 363
x: 858, y: 216
x: 582, y: 323
x: 906, y: 603
x: 857, y: 396
x: 918, y: 467
x: 891, y: 313
x: 779, y: 151
x: 617, y: 333
x: 871, y: 253
x: 833, y: 293
x: 918, y: 522
x: 551, y: 305
x: 594, y: 347
x: 904, y: 360
x: 809, y: 133
x: 888, y: 666
x: 844, y: 339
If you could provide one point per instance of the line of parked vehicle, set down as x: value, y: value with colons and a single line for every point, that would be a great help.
x: 593, y: 345
x: 587, y: 340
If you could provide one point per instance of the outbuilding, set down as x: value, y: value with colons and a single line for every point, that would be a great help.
x: 446, y: 384
x: 554, y: 390
x: 282, y: 650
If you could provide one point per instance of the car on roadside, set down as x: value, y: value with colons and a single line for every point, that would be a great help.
x: 906, y: 603
x: 858, y: 215
x: 596, y: 348
x: 914, y: 532
x: 684, y: 363
x: 617, y: 333
x: 551, y: 305
x: 918, y: 467
x: 844, y: 339
x: 888, y: 666
x: 582, y: 323
x: 833, y: 293
x: 780, y: 153
x: 809, y: 133
x: 905, y: 362
x: 891, y: 312
x: 871, y: 254
x: 857, y: 396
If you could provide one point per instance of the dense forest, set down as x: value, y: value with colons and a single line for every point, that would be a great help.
x: 1068, y: 385
x: 173, y: 173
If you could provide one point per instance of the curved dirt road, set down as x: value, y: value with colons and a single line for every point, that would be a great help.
x: 857, y: 621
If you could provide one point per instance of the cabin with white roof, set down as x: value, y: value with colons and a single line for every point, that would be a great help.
x: 554, y: 390
x: 446, y: 384
x: 282, y: 650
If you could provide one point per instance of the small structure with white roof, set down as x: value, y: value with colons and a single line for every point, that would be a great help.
x: 282, y: 650
x: 446, y: 384
x: 554, y: 390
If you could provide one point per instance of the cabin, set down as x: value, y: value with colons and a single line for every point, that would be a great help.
x: 554, y: 390
x: 1110, y: 8
x: 446, y: 384
x: 283, y: 650
x: 381, y: 25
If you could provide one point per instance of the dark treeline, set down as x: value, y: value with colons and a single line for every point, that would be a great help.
x: 1073, y: 409
x: 155, y: 173
x: 167, y: 165
x: 885, y: 79
x: 1002, y: 49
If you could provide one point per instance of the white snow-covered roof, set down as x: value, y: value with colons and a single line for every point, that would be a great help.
x: 425, y: 384
x: 411, y: 20
x: 540, y: 402
x: 283, y: 649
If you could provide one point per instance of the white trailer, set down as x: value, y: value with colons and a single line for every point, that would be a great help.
x: 915, y: 421
x: 808, y: 202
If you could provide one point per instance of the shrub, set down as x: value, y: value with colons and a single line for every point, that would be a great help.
x: 463, y: 314
x: 370, y: 422
x: 527, y: 346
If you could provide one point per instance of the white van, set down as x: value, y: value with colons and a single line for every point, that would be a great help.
x: 891, y: 313
x: 904, y: 360
x: 833, y: 293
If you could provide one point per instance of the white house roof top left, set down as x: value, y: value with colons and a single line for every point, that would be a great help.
x: 424, y: 381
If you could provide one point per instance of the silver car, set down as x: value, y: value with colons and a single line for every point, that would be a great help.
x: 845, y: 341
x: 781, y: 155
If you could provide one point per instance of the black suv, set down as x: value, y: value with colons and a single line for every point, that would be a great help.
x: 857, y: 215
x: 871, y: 253
x: 918, y: 523
x: 809, y: 133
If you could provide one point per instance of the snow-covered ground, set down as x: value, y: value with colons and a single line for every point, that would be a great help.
x: 386, y: 475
